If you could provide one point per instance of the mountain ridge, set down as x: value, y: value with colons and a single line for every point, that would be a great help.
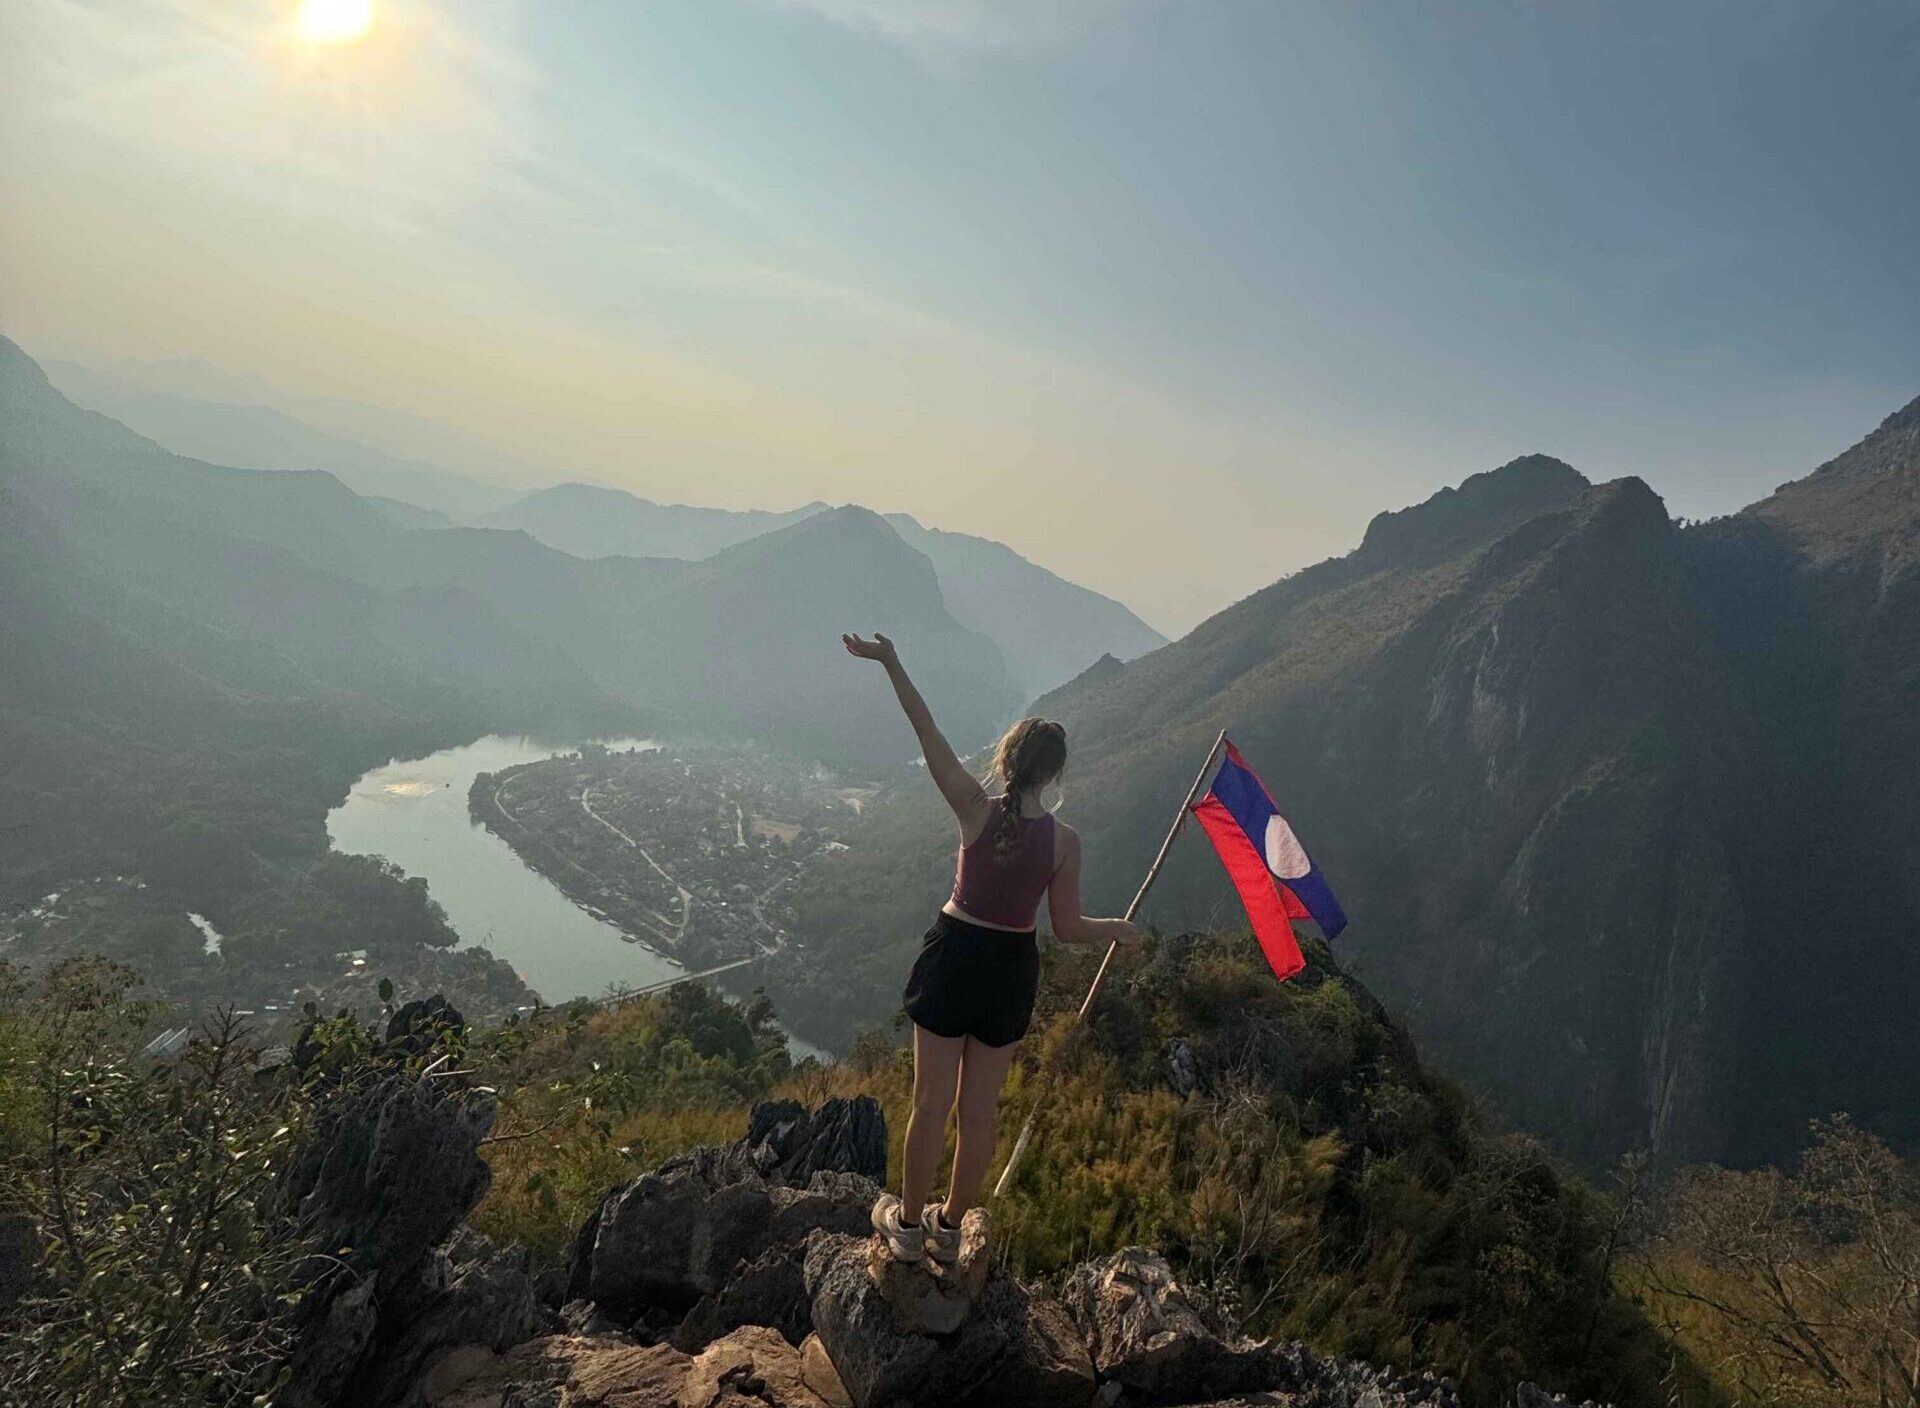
x: 258, y: 434
x: 1048, y: 628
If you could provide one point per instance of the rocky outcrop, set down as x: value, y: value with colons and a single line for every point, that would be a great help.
x: 577, y: 1371
x: 842, y: 1136
x: 417, y: 1025
x: 928, y: 1297
x: 469, y: 1293
x: 1148, y: 1337
x: 383, y: 1186
x: 753, y: 1367
x: 1011, y: 1348
x: 717, y: 1233
x: 740, y: 1276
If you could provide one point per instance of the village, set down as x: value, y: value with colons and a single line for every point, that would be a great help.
x: 684, y: 850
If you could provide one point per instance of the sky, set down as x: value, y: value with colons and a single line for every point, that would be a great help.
x: 1170, y: 296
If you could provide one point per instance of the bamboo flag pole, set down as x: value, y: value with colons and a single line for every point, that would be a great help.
x: 1099, y: 978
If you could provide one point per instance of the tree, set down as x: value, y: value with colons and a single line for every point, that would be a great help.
x: 1809, y: 1282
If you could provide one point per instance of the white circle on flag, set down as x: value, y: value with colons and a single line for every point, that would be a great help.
x: 1286, y: 857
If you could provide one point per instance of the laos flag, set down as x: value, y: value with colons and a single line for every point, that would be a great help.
x: 1277, y: 881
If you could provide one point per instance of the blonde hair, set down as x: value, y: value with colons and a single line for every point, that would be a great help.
x: 1030, y: 754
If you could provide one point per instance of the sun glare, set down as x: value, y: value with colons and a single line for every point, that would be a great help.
x: 334, y: 21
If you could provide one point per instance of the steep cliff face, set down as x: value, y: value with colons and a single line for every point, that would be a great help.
x: 1499, y: 724
x: 1815, y: 598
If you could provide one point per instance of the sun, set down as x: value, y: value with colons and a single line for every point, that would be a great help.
x: 334, y: 21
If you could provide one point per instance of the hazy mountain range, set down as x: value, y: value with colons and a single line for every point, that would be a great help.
x: 1048, y: 629
x: 205, y: 413
x: 304, y: 571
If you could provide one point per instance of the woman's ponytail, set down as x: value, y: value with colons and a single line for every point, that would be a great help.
x: 1031, y: 754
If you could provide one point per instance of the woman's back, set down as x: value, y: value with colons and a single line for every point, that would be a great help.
x: 1004, y: 888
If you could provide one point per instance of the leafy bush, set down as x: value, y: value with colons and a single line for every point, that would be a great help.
x: 166, y: 1279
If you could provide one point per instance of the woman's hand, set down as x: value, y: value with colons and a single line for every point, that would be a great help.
x: 879, y: 648
x: 1125, y: 933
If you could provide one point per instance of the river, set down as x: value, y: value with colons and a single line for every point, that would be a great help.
x: 414, y: 813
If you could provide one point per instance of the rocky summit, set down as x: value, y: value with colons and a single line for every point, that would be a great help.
x: 731, y: 1276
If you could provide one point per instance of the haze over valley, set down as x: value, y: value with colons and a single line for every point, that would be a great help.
x: 521, y: 527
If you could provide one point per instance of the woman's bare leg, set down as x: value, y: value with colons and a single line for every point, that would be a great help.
x: 936, y: 1067
x: 983, y: 1070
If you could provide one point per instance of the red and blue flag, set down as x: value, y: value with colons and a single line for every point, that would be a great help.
x: 1278, y: 882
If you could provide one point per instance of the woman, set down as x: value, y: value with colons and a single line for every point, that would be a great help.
x: 971, y: 991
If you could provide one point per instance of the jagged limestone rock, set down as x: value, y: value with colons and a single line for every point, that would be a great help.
x: 844, y: 1136
x: 1012, y: 1349
x: 926, y: 1296
x: 769, y: 1291
x: 682, y: 1232
x: 1146, y: 1334
x: 675, y: 1237
x: 468, y: 1294
x: 390, y: 1171
x: 562, y: 1371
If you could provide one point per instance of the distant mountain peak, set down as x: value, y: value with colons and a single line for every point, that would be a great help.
x: 1481, y: 508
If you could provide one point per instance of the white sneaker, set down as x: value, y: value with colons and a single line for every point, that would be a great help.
x: 904, y: 1242
x: 943, y: 1242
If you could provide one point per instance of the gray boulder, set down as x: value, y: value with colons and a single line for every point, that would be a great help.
x: 770, y: 1291
x: 681, y: 1233
x: 681, y: 1239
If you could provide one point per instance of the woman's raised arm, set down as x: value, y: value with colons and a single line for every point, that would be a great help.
x: 961, y: 788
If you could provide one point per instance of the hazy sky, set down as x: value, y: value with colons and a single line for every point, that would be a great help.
x: 1170, y: 296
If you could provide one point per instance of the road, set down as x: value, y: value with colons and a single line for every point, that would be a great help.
x: 686, y: 895
x: 659, y: 935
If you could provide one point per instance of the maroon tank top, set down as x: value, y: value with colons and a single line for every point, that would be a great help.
x: 1005, y: 889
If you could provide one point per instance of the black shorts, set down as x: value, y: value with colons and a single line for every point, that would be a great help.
x: 973, y: 981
